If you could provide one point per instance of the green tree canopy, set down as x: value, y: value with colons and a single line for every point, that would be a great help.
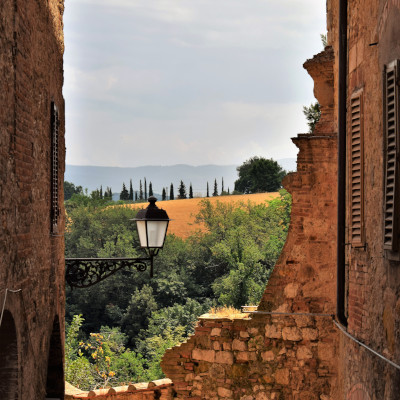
x: 258, y: 175
x: 70, y: 189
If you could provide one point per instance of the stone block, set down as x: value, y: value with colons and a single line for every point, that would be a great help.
x: 244, y: 334
x: 309, y: 333
x: 292, y: 333
x: 282, y: 376
x: 268, y: 355
x: 246, y: 356
x: 216, y: 332
x: 291, y: 290
x: 224, y: 357
x: 225, y: 393
x: 239, y: 345
x: 273, y: 331
x: 304, y: 353
x: 203, y: 355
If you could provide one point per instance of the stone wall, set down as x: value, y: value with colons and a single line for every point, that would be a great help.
x: 161, y: 389
x: 31, y: 259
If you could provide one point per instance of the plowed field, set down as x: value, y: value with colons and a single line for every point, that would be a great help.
x: 183, y: 212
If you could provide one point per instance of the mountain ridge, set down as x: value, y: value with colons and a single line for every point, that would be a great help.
x: 92, y: 177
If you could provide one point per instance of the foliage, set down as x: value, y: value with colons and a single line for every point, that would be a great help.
x: 215, y: 192
x: 182, y: 191
x: 324, y: 39
x: 171, y: 192
x: 134, y: 319
x: 258, y: 175
x: 124, y: 195
x: 313, y: 114
x: 77, y: 367
x: 70, y: 189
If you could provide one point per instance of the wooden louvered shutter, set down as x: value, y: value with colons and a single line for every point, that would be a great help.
x: 356, y: 171
x: 55, y: 211
x: 391, y: 206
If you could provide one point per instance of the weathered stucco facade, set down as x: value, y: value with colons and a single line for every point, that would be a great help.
x: 31, y: 250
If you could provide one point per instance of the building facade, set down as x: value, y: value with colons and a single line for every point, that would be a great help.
x: 32, y: 219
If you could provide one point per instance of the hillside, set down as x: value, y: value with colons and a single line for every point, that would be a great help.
x: 183, y: 212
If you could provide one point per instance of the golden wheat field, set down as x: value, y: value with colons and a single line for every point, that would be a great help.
x: 183, y: 212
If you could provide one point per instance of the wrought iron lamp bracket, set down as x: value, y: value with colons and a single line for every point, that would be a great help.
x: 85, y: 272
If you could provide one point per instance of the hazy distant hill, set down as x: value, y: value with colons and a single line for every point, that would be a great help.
x: 161, y: 176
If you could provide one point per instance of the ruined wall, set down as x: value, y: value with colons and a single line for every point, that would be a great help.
x: 373, y: 284
x: 287, y: 349
x: 161, y: 389
x: 31, y: 258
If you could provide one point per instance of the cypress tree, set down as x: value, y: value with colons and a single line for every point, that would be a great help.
x: 140, y: 191
x: 145, y: 189
x: 190, y: 191
x: 124, y: 195
x: 164, y: 194
x: 150, y: 189
x: 130, y: 190
x: 171, y: 192
x: 101, y: 191
x: 215, y: 193
x: 208, y: 191
x: 228, y: 191
x: 182, y: 191
x: 136, y: 196
x: 222, y: 186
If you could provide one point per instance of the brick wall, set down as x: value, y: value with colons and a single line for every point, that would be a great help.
x: 31, y: 71
x: 373, y: 284
x: 282, y: 355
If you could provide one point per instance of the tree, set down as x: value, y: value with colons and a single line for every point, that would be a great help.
x: 130, y: 190
x: 140, y: 191
x: 150, y: 189
x: 313, y: 114
x: 215, y: 193
x: 124, y: 195
x: 258, y: 175
x: 101, y: 191
x: 145, y: 189
x: 182, y: 191
x: 171, y: 192
x: 70, y: 189
x: 208, y: 191
x: 136, y: 195
x: 190, y: 191
x: 164, y: 194
x: 222, y: 186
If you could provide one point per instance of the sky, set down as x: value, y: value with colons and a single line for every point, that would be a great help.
x: 164, y: 82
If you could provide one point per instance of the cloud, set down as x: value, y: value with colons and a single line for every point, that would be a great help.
x: 186, y: 81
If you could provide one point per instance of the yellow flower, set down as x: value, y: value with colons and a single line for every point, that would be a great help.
x: 111, y: 373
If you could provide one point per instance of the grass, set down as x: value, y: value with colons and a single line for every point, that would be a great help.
x: 225, y: 312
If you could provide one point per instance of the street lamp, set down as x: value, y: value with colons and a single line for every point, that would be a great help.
x: 152, y: 224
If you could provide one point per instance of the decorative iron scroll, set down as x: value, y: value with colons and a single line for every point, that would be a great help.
x: 85, y: 272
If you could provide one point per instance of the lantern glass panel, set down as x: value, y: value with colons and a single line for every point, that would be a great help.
x: 141, y: 227
x: 156, y: 233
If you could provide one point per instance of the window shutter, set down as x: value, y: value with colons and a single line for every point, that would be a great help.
x: 356, y: 171
x: 54, y: 168
x: 391, y: 127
